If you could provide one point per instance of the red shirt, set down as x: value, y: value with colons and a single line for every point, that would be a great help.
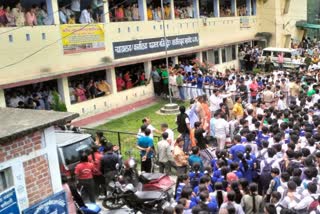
x: 84, y: 170
x: 254, y: 88
x: 97, y: 162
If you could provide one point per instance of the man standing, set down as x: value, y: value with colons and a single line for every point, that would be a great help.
x: 294, y: 90
x: 215, y: 100
x: 183, y: 123
x: 165, y: 129
x: 254, y: 89
x: 145, y: 145
x: 221, y: 131
x: 238, y: 109
x: 165, y: 154
x: 179, y: 81
x: 156, y: 78
x: 268, y: 96
x: 108, y: 164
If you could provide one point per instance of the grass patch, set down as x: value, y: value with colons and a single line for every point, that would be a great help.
x: 131, y: 123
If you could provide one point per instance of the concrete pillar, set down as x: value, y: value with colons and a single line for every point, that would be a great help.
x: 172, y: 9
x: 234, y: 7
x: 196, y: 10
x: 142, y: 4
x: 210, y: 54
x: 53, y: 8
x: 249, y: 8
x: 111, y: 79
x: 175, y: 60
x: 220, y: 56
x: 216, y: 8
x: 63, y: 89
x: 147, y: 69
x: 254, y: 7
x: 199, y: 56
x: 106, y: 12
x: 2, y: 99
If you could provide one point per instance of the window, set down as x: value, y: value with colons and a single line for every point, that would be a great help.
x: 130, y: 76
x: 89, y: 86
x: 224, y: 58
x: 287, y: 55
x: 6, y: 179
x: 204, y: 56
x: 228, y: 53
x: 216, y: 57
x: 265, y: 53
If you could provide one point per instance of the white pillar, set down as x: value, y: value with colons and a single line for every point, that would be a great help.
x: 216, y: 8
x: 175, y: 60
x: 210, y: 56
x: 53, y: 8
x: 199, y: 56
x: 63, y: 89
x: 220, y: 56
x: 106, y: 11
x: 2, y: 99
x: 196, y: 11
x: 52, y: 156
x: 142, y: 4
x: 234, y: 7
x: 172, y: 9
x: 249, y: 7
x: 147, y: 69
x: 111, y: 79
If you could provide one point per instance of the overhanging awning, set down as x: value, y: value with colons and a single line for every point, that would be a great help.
x: 303, y: 24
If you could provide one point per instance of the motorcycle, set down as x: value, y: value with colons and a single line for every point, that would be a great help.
x: 147, y: 193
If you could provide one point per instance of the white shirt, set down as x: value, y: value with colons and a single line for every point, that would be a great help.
x: 75, y: 5
x: 14, y: 101
x: 63, y: 18
x: 221, y: 128
x: 215, y: 102
x: 151, y: 129
x: 85, y: 17
x: 170, y: 135
x: 274, y: 165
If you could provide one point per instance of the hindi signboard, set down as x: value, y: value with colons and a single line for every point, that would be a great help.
x: 56, y: 203
x: 245, y: 22
x: 8, y: 202
x: 82, y: 37
x: 154, y: 45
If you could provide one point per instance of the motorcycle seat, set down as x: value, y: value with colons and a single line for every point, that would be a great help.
x: 148, y: 195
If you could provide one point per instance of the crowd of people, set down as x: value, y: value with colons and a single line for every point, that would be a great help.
x: 85, y: 89
x: 18, y: 16
x: 37, y: 96
x: 129, y: 77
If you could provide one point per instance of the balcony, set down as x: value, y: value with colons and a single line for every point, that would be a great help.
x: 51, y: 61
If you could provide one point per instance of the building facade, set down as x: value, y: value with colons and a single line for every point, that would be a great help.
x: 61, y: 55
x: 28, y: 157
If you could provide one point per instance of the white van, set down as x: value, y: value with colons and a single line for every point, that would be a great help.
x: 70, y: 146
x: 288, y: 55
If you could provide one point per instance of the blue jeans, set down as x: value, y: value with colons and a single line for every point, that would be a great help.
x: 181, y: 92
x: 187, y: 141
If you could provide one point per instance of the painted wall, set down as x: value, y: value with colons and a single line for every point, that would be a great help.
x: 273, y: 20
x: 51, y: 61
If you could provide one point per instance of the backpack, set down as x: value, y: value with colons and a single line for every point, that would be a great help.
x: 259, y: 159
x: 314, y: 205
x: 265, y: 176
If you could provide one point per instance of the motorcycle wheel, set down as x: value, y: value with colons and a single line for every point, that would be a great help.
x: 112, y: 203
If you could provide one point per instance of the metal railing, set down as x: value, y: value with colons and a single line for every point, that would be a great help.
x: 125, y: 140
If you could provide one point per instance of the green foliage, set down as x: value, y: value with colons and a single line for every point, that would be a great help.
x: 57, y: 104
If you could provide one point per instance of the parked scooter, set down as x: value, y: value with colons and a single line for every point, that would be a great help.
x: 150, y: 196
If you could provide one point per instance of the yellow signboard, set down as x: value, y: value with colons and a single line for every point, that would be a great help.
x: 82, y: 37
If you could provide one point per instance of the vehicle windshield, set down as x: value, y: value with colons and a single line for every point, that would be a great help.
x: 72, y: 152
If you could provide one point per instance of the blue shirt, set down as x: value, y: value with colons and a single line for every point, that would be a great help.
x: 179, y: 190
x: 235, y: 149
x: 199, y: 82
x: 196, y: 159
x: 208, y: 80
x: 145, y: 142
